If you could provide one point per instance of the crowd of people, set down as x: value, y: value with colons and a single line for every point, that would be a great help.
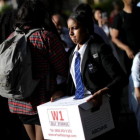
x: 66, y: 51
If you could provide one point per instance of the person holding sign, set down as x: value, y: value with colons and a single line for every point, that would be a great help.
x: 92, y: 66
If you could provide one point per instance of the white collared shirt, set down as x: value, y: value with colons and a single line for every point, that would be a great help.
x: 72, y: 68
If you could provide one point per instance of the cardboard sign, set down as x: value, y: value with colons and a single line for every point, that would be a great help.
x: 72, y: 119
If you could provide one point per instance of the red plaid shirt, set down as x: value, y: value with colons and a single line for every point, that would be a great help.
x: 43, y: 45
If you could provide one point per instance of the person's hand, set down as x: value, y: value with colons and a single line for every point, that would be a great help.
x: 130, y: 53
x: 57, y: 95
x: 96, y: 98
x: 100, y: 22
x: 104, y: 20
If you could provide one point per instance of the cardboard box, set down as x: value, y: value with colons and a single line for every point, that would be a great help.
x: 72, y: 119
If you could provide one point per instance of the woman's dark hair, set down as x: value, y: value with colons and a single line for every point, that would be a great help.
x: 36, y: 14
x: 7, y: 24
x: 83, y: 15
x: 94, y: 10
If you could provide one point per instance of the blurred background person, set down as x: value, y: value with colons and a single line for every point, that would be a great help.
x: 67, y: 42
x: 63, y: 31
x: 138, y: 4
x: 1, y: 3
x: 11, y: 126
x: 126, y: 25
x: 116, y: 9
x: 134, y: 89
x: 100, y: 18
x: 97, y: 12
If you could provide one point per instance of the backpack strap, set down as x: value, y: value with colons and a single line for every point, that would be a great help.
x: 48, y: 75
x: 29, y: 31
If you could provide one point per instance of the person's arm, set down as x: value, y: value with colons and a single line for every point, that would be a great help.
x: 57, y: 56
x: 114, y: 70
x: 137, y: 93
x: 58, y: 60
x: 114, y: 37
x: 136, y: 76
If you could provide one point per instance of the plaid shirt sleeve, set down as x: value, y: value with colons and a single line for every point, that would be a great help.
x: 57, y: 54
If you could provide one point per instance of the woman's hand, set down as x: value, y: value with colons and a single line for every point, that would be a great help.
x: 100, y: 23
x: 97, y: 97
x: 56, y: 95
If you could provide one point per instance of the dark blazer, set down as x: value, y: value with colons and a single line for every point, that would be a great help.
x: 106, y: 73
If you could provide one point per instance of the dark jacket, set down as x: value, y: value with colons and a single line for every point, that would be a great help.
x: 106, y: 72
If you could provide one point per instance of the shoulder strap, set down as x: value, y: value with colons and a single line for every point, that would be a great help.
x: 29, y: 32
x: 48, y: 75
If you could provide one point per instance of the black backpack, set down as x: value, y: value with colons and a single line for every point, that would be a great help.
x: 16, y: 81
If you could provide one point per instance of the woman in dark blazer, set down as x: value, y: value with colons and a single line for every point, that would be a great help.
x: 100, y: 72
